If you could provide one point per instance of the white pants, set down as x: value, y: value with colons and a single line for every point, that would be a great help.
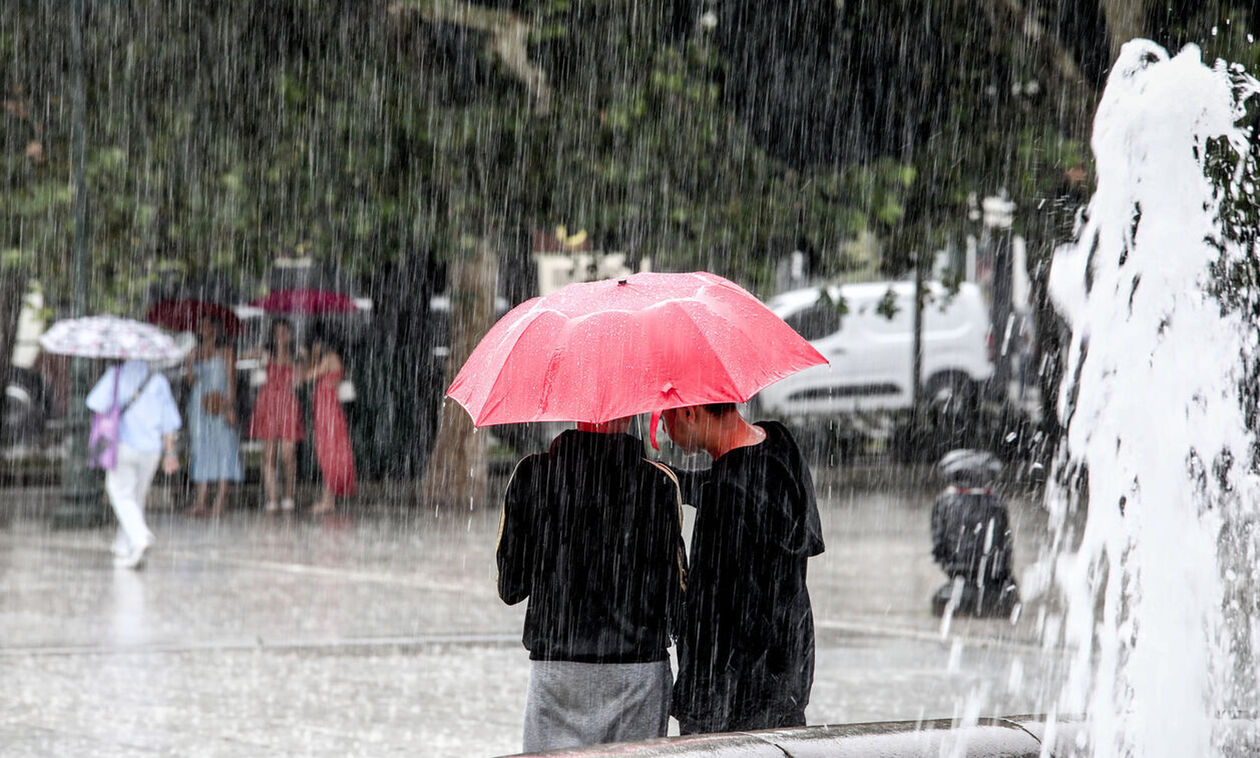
x: 128, y: 485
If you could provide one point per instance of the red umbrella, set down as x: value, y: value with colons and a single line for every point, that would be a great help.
x: 184, y: 315
x: 602, y: 350
x: 305, y: 302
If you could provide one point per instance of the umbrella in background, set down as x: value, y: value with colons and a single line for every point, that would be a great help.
x: 109, y: 337
x: 306, y: 302
x: 597, y: 351
x: 184, y: 315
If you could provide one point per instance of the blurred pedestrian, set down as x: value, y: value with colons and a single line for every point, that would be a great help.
x: 971, y: 538
x: 746, y: 649
x: 147, y: 428
x: 591, y: 534
x: 277, y: 417
x: 214, y: 448
x: 332, y: 432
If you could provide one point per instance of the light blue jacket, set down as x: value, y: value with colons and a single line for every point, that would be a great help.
x: 152, y: 415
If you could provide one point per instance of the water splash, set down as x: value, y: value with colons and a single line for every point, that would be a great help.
x: 1156, y: 429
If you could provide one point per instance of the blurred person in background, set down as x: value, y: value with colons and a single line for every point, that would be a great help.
x: 277, y: 416
x: 214, y: 449
x: 971, y: 538
x: 332, y: 432
x: 146, y: 439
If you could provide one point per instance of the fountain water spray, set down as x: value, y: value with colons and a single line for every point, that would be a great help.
x: 1153, y: 402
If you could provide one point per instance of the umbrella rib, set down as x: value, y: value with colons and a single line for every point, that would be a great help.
x: 487, y: 406
x: 699, y: 330
x: 739, y: 326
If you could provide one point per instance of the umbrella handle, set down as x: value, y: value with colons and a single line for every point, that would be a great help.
x: 667, y: 390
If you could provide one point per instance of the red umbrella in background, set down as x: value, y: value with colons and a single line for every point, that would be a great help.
x: 184, y: 315
x: 305, y: 302
x: 602, y: 350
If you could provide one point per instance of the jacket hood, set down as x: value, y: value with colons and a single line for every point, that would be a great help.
x: 785, y: 461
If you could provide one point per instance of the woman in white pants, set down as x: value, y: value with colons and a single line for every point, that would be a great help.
x: 146, y: 439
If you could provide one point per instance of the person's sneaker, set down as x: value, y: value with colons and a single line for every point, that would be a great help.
x: 134, y: 559
x: 271, y: 506
x: 286, y: 504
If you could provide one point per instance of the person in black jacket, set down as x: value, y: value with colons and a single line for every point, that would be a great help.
x: 972, y: 540
x: 746, y: 648
x: 591, y: 534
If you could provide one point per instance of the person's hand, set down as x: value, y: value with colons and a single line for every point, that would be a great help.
x: 230, y: 415
x: 170, y: 463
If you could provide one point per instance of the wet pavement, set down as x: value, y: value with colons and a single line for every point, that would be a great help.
x: 380, y: 633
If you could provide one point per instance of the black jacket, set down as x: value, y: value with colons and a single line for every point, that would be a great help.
x: 591, y: 534
x: 971, y: 536
x: 746, y: 651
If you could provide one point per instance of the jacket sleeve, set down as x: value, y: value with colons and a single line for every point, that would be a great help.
x: 515, y: 551
x: 940, y: 551
x: 169, y: 420
x: 102, y: 395
x: 1000, y: 562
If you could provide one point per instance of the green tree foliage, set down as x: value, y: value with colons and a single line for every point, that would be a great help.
x: 223, y: 134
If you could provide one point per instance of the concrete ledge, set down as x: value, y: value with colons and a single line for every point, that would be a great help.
x: 1029, y: 736
x: 913, y: 739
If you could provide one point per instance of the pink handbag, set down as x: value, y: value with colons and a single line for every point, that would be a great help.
x: 103, y: 437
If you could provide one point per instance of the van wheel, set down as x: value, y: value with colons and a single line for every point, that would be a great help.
x: 951, y: 393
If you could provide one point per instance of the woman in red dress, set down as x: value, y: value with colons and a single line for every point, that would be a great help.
x: 277, y: 418
x: 332, y: 433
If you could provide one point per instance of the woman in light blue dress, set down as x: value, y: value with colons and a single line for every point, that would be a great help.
x: 214, y: 448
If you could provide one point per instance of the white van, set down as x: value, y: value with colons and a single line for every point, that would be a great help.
x: 871, y: 354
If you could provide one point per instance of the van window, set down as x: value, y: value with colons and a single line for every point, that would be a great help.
x: 815, y: 322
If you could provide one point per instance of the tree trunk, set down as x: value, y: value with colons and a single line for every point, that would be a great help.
x: 457, y: 474
x: 401, y: 372
x: 1126, y: 19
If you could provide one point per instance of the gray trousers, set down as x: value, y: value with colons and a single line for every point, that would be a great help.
x: 574, y: 704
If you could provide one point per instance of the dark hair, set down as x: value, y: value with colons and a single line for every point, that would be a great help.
x: 271, y: 336
x: 219, y: 339
x: 332, y: 343
x: 718, y: 410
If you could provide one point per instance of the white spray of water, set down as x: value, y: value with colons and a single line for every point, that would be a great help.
x: 1155, y: 413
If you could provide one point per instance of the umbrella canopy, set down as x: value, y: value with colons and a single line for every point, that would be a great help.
x: 109, y: 337
x: 305, y: 302
x: 184, y: 315
x: 602, y: 350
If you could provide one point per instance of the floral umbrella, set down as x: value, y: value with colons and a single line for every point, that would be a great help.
x: 109, y: 337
